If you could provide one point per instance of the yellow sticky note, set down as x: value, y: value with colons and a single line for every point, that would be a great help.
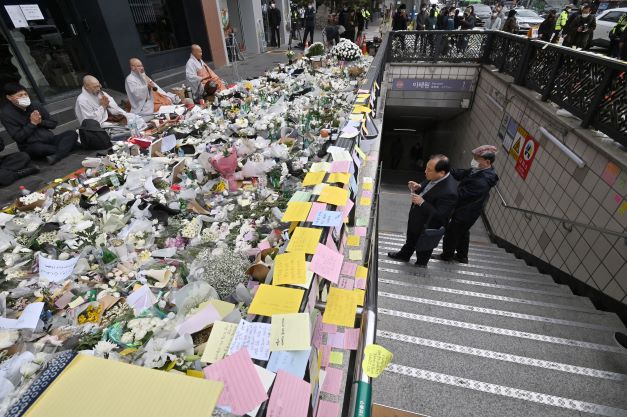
x: 355, y: 255
x: 297, y: 211
x: 359, y: 296
x: 367, y: 186
x: 336, y: 358
x: 365, y: 201
x: 304, y: 239
x: 219, y: 341
x: 293, y: 227
x: 376, y: 358
x: 289, y: 268
x: 222, y: 307
x: 353, y: 240
x: 361, y: 109
x: 333, y: 195
x: 341, y: 307
x: 341, y: 177
x: 70, y: 396
x: 361, y: 153
x: 361, y: 272
x: 320, y: 167
x: 290, y: 332
x: 270, y: 300
x: 313, y: 178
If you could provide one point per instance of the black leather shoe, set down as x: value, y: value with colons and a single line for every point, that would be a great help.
x: 29, y: 170
x: 419, y: 265
x: 621, y: 338
x: 443, y: 258
x: 461, y: 260
x: 398, y: 256
x: 51, y: 159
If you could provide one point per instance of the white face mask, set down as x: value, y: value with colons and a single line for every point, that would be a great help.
x: 23, y: 101
x: 474, y: 163
x: 585, y: 14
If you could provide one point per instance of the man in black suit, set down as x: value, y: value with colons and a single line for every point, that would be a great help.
x: 433, y: 202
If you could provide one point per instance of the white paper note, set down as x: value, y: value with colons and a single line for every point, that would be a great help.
x: 253, y: 336
x: 28, y: 319
x: 17, y: 16
x: 32, y: 12
x: 167, y: 143
x: 54, y: 270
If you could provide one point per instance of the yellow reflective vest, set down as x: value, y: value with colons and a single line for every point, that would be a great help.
x: 561, y: 20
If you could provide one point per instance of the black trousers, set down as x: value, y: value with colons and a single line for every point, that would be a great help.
x: 409, y: 248
x: 456, y: 239
x: 309, y: 30
x: 10, y: 164
x: 60, y: 146
x: 275, y: 37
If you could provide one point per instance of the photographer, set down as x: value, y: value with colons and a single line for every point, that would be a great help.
x: 582, y: 29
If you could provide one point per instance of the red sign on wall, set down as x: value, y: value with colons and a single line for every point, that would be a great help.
x: 526, y: 157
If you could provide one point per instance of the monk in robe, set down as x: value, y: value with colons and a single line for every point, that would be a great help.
x: 202, y: 80
x: 144, y: 95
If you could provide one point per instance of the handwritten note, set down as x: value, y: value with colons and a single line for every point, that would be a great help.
x: 336, y: 358
x: 320, y: 167
x: 54, y: 270
x: 243, y: 390
x: 294, y: 362
x: 300, y: 196
x: 341, y: 177
x: 349, y: 269
x: 297, y: 211
x: 290, y: 396
x: 327, y: 263
x: 267, y: 378
x: 360, y: 231
x: 315, y: 209
x: 355, y: 255
x: 334, y: 195
x: 255, y: 337
x: 328, y: 409
x: 290, y: 268
x: 271, y: 299
x: 313, y: 178
x: 353, y: 240
x: 304, y: 239
x: 328, y: 218
x: 351, y: 338
x: 341, y: 308
x: 332, y: 381
x: 290, y: 332
x: 361, y: 272
x: 219, y: 341
x: 340, y: 166
x: 376, y: 358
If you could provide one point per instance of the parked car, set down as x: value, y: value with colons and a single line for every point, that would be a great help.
x: 483, y: 12
x: 527, y: 19
x: 605, y: 22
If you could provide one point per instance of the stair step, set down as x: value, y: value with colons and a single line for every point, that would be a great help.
x: 488, y: 250
x: 583, y: 384
x: 447, y: 395
x: 605, y: 357
x: 503, y: 257
x: 423, y: 285
x: 532, y: 323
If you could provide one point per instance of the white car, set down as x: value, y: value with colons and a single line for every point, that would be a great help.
x: 527, y: 19
x: 605, y: 22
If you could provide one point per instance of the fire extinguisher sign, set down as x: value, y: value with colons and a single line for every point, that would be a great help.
x: 527, y: 155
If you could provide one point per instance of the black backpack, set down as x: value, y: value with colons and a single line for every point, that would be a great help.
x: 93, y: 136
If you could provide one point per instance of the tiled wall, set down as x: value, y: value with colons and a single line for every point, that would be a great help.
x: 595, y: 194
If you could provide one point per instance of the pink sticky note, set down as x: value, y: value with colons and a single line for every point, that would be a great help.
x: 360, y: 231
x: 329, y: 328
x: 243, y: 390
x: 264, y: 244
x: 328, y: 409
x: 326, y: 353
x: 330, y: 243
x: 347, y: 208
x: 346, y: 283
x: 349, y: 268
x: 208, y: 315
x: 333, y: 381
x: 366, y: 193
x: 315, y: 208
x: 351, y: 338
x: 327, y: 263
x: 340, y: 166
x: 316, y: 338
x: 360, y: 283
x: 290, y: 396
x: 336, y: 340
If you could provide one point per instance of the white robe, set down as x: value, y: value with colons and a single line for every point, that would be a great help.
x: 191, y: 75
x: 88, y: 107
x: 140, y: 96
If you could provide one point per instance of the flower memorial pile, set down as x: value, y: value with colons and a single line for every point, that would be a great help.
x: 136, y: 255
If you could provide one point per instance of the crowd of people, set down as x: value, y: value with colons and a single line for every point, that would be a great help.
x: 31, y: 126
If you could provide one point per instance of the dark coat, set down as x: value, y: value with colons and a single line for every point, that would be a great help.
x: 399, y: 21
x: 547, y: 28
x: 469, y: 22
x: 274, y: 17
x: 17, y: 123
x: 437, y: 208
x: 421, y: 20
x: 474, y: 191
x: 580, y: 38
x: 310, y: 17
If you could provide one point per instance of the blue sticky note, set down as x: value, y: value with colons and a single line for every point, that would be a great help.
x: 327, y: 218
x: 290, y: 361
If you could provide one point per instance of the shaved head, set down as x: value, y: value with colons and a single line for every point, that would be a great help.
x: 197, y: 51
x: 91, y: 84
x: 136, y: 65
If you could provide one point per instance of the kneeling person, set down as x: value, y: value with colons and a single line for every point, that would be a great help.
x: 30, y: 126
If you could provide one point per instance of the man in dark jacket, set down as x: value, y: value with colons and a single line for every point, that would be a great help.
x: 399, y: 20
x: 421, y: 18
x: 433, y: 202
x: 30, y: 126
x: 274, y: 21
x: 14, y: 166
x: 582, y: 28
x: 474, y: 190
x: 310, y: 23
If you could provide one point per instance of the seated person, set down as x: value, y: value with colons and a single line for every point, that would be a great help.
x: 14, y: 166
x: 145, y: 96
x: 30, y: 126
x: 202, y: 80
x: 93, y: 103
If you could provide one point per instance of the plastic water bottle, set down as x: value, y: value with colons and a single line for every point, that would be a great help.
x: 180, y: 152
x: 24, y: 191
x: 132, y: 125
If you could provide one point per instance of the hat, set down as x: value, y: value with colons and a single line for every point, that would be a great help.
x: 484, y: 150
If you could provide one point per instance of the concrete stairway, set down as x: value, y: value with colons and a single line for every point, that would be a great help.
x: 493, y: 338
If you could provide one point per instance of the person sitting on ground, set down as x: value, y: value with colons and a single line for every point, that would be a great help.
x: 30, y: 125
x: 511, y: 24
x: 546, y: 29
x: 145, y: 96
x: 93, y: 103
x: 201, y: 79
x: 15, y: 166
x: 473, y: 190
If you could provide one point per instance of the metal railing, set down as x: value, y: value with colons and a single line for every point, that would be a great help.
x: 566, y: 223
x: 591, y: 87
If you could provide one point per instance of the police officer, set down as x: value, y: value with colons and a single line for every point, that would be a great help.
x: 615, y: 35
x: 560, y: 23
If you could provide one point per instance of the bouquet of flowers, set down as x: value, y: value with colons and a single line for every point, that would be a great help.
x: 226, y: 164
x: 316, y: 49
x: 346, y: 51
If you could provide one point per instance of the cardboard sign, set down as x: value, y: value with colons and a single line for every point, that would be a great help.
x: 526, y: 157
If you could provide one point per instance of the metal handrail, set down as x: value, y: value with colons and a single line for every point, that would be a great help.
x: 559, y: 219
